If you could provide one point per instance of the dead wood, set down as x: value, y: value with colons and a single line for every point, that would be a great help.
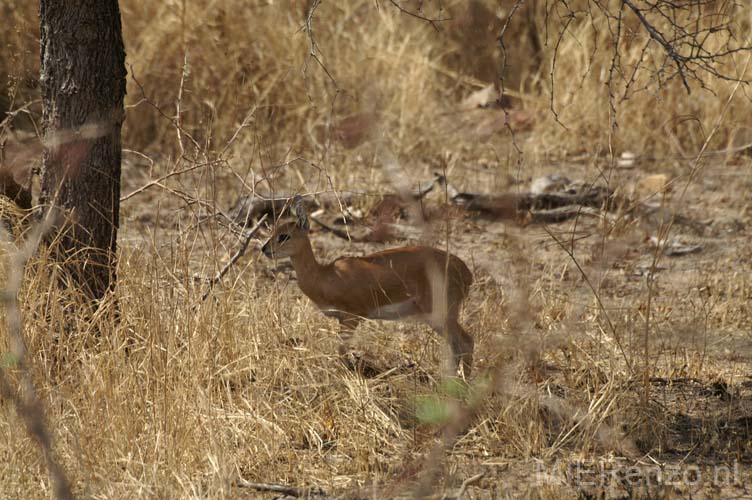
x: 505, y: 206
x: 381, y: 232
x: 524, y: 207
x: 561, y: 214
x: 288, y: 491
x: 250, y: 208
x: 341, y: 233
x: 536, y: 208
x: 391, y: 206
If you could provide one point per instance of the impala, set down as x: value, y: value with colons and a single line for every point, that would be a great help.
x: 417, y: 282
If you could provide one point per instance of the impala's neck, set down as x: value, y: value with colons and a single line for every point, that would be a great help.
x: 306, y: 267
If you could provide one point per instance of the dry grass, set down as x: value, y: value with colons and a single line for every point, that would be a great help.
x: 583, y: 86
x: 174, y: 397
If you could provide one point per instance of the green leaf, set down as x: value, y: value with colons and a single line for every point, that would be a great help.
x: 9, y: 360
x: 432, y: 410
x: 454, y: 387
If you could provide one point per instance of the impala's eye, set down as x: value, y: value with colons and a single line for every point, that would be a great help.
x: 282, y: 238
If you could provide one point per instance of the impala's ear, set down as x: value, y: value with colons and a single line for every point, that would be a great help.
x: 300, y: 212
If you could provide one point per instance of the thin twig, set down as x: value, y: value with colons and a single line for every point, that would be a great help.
x: 463, y: 487
x: 596, y: 295
x: 241, y: 251
x: 161, y: 112
x: 432, y: 22
x: 678, y: 59
x: 158, y: 181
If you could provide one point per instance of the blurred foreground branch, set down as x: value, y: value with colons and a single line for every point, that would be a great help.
x: 27, y: 402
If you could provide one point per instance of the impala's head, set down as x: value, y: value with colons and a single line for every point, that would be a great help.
x: 289, y: 238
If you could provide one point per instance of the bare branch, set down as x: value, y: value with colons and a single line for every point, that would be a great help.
x: 658, y: 37
x: 418, y: 15
x: 241, y: 251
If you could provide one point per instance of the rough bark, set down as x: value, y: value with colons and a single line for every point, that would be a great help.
x: 83, y: 88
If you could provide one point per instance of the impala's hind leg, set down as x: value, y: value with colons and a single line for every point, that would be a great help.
x: 462, y: 345
x: 354, y: 360
x: 460, y: 342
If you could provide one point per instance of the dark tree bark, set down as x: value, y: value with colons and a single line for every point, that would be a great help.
x: 83, y: 88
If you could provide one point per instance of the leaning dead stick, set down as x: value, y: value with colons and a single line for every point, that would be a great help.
x: 374, y: 234
x: 241, y: 251
x: 340, y: 233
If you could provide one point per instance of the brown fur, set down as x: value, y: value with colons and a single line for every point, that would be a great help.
x: 393, y: 285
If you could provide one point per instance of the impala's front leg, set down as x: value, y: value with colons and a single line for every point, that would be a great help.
x: 354, y: 360
x: 347, y: 325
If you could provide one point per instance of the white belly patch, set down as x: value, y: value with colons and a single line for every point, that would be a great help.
x: 396, y: 311
x: 388, y: 312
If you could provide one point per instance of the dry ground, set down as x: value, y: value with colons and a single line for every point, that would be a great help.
x: 604, y: 369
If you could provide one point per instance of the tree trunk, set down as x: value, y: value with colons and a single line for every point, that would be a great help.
x: 83, y: 88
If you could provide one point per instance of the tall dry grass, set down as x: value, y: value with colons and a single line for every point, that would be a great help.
x: 580, y: 85
x: 240, y: 61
